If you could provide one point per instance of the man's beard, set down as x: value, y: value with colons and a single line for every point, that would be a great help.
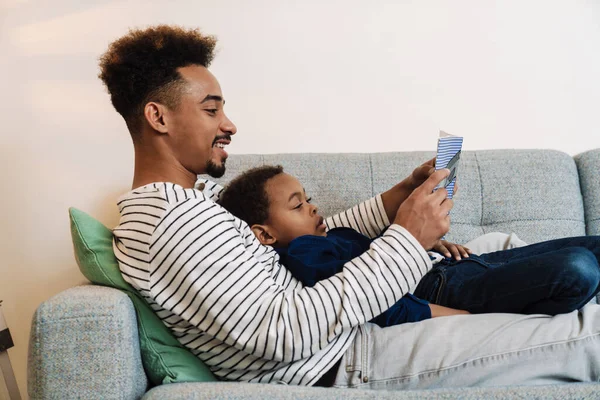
x: 214, y: 170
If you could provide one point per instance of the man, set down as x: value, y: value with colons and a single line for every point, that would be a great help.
x: 227, y: 298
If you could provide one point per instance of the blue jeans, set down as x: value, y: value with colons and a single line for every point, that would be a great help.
x: 552, y: 277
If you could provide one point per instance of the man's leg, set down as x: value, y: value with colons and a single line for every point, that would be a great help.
x: 476, y: 350
x: 494, y: 241
x: 591, y: 243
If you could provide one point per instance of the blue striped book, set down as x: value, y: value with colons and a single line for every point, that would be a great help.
x: 448, y: 156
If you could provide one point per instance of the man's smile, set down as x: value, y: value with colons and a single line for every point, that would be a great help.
x: 220, y: 144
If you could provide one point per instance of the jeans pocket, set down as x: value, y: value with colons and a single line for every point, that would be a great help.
x: 473, y: 258
x: 354, y: 352
x: 430, y: 286
x: 357, y: 357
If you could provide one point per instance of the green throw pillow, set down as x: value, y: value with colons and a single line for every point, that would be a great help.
x: 165, y: 359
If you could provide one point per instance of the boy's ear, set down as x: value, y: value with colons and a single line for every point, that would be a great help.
x: 263, y: 234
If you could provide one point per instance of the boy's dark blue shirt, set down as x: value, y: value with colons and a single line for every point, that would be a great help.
x: 314, y: 258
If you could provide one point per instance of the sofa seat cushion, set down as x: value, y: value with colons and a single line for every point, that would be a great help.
x: 254, y: 391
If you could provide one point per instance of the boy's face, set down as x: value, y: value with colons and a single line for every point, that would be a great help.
x: 290, y: 213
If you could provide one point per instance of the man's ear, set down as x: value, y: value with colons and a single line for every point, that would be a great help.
x: 155, y: 116
x: 263, y: 234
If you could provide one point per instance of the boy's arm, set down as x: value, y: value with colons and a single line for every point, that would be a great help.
x: 311, y: 259
x: 408, y: 309
x: 394, y: 197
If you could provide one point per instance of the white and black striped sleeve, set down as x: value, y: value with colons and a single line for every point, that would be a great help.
x: 201, y: 271
x: 368, y: 218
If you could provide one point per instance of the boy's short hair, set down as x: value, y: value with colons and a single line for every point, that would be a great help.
x: 245, y: 196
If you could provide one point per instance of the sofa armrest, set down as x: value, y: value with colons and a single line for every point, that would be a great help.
x: 588, y: 165
x: 84, y: 344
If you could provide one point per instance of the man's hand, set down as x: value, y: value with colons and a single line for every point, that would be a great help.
x: 425, y: 213
x: 393, y: 198
x: 451, y: 249
x: 421, y: 174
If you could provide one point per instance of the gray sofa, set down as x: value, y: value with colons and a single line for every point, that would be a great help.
x: 84, y: 341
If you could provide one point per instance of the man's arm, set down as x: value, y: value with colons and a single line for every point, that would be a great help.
x: 393, y: 198
x: 372, y: 216
x: 369, y: 218
x: 202, y: 271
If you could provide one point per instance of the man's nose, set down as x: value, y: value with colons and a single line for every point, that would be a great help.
x: 228, y: 127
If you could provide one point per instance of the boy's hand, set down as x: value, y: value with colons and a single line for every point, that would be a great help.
x: 440, y: 311
x: 451, y: 249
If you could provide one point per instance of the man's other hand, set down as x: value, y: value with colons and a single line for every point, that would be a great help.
x: 421, y: 174
x: 425, y: 212
x: 393, y: 198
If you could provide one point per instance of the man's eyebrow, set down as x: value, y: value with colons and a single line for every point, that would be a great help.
x: 214, y: 97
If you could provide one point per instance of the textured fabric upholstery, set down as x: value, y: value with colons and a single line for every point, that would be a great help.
x: 499, y: 190
x: 588, y: 164
x: 84, y: 341
x: 84, y: 344
x: 165, y: 360
x: 335, y: 181
x: 236, y: 391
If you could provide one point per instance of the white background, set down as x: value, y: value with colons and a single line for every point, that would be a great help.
x: 310, y: 76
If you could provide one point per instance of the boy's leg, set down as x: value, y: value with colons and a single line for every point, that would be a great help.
x: 475, y: 350
x: 551, y: 277
x: 578, y: 265
x: 549, y: 283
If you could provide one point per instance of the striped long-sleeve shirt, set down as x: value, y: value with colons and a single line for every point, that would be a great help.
x: 227, y: 298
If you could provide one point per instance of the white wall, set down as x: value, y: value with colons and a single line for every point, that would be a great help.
x: 311, y: 76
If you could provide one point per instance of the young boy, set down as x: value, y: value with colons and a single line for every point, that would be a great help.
x: 277, y: 210
x: 275, y: 206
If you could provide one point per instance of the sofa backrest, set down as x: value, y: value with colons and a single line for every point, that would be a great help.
x: 534, y: 193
